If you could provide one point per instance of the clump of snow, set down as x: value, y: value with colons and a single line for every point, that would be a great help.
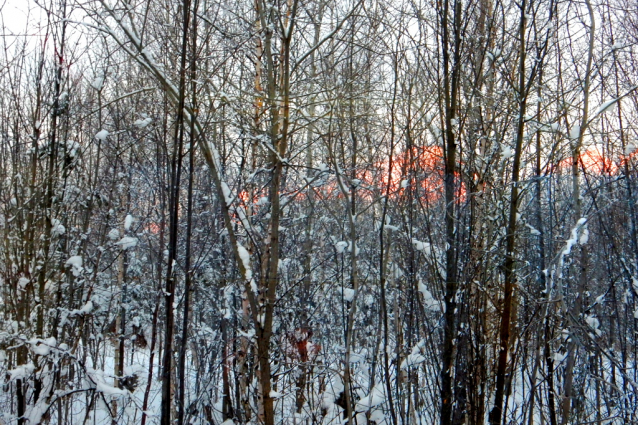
x: 533, y: 231
x: 21, y: 372
x: 412, y: 360
x: 114, y: 234
x: 375, y: 398
x: 606, y: 106
x: 102, y: 135
x: 593, y: 323
x: 421, y: 246
x: 244, y: 255
x: 142, y: 123
x: 42, y: 348
x: 574, y: 132
x: 87, y: 308
x: 75, y: 262
x: 428, y: 299
x: 227, y: 194
x: 98, y: 82
x: 348, y: 294
x: 569, y: 243
x: 341, y: 246
x: 71, y: 148
x: 492, y: 56
x: 128, y: 221
x: 275, y: 394
x: 57, y: 229
x: 127, y: 242
x: 584, y: 236
x: 377, y: 416
x: 506, y: 152
x: 108, y: 390
x: 23, y: 282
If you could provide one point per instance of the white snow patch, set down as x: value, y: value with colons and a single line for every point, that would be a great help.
x: 102, y: 135
x: 128, y: 221
x: 75, y: 262
x: 375, y: 398
x: 142, y: 123
x: 108, y: 390
x: 87, y: 308
x: 606, y: 106
x: 584, y: 236
x: 421, y: 246
x: 533, y: 231
x: 57, y: 229
x: 23, y: 282
x: 227, y: 194
x: 558, y: 357
x: 348, y: 294
x: 244, y: 255
x: 430, y: 302
x: 574, y: 132
x: 21, y: 372
x: 506, y: 152
x: 98, y: 82
x: 127, y: 242
x: 593, y: 323
x: 569, y: 243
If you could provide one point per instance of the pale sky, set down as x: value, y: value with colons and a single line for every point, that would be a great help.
x: 16, y: 14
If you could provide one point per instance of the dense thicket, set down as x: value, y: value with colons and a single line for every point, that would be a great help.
x: 320, y: 212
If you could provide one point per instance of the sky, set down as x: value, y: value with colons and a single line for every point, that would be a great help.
x: 16, y: 15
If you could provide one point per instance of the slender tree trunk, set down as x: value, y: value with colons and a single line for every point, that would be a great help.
x: 502, y: 372
x: 183, y: 381
x: 451, y: 74
x: 176, y: 169
x: 568, y: 392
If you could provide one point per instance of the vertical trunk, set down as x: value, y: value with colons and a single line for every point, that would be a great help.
x: 568, y: 392
x: 450, y: 83
x: 176, y: 169
x: 154, y: 330
x: 278, y: 92
x: 384, y: 251
x: 183, y: 382
x: 541, y: 253
x: 118, y: 366
x: 502, y: 372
